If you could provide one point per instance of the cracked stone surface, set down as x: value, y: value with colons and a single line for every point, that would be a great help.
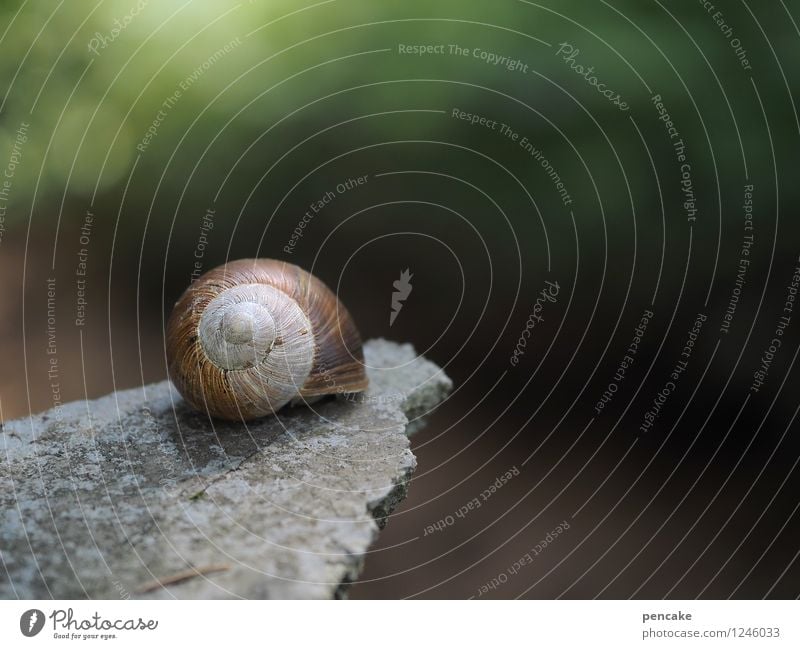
x: 135, y: 495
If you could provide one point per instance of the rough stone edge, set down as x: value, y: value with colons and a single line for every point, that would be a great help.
x: 415, y: 406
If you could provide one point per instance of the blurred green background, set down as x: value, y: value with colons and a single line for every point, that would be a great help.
x: 195, y: 132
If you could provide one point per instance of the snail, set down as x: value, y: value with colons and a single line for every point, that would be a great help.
x: 250, y: 336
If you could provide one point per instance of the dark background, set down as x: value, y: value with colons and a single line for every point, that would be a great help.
x: 702, y: 504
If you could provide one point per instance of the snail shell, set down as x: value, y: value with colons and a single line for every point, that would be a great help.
x: 250, y: 336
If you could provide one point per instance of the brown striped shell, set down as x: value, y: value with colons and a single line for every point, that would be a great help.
x: 250, y: 336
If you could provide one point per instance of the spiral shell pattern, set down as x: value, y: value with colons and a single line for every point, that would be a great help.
x: 248, y: 337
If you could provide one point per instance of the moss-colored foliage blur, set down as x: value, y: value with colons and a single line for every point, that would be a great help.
x: 91, y: 109
x: 153, y: 115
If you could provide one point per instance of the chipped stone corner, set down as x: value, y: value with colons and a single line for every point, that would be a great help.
x: 135, y: 488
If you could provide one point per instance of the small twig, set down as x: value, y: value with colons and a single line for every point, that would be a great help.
x: 181, y: 576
